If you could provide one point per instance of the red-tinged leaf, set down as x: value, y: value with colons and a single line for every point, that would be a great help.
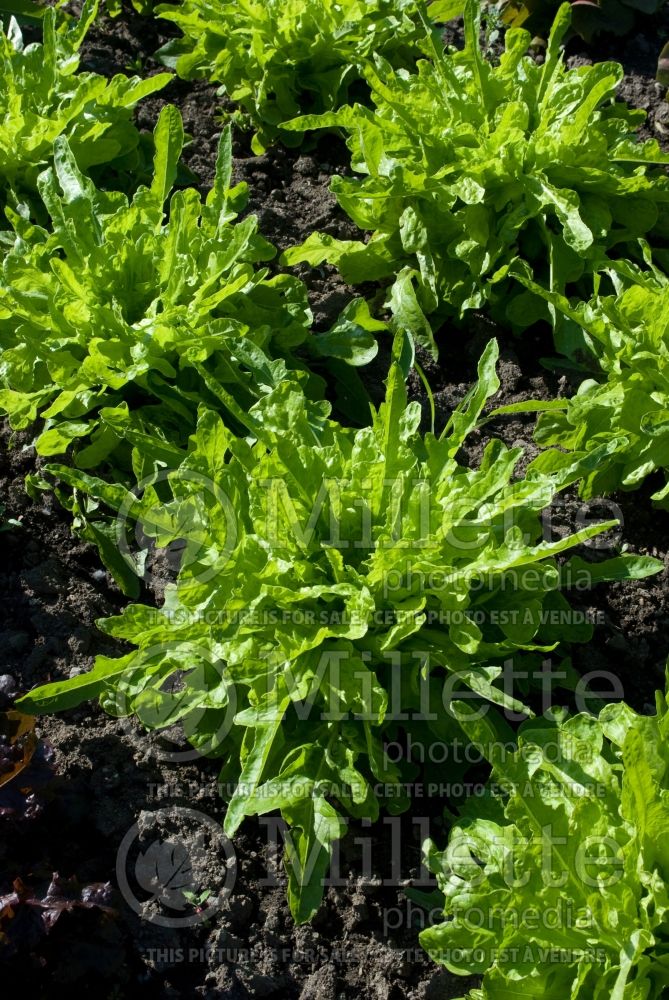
x: 30, y: 912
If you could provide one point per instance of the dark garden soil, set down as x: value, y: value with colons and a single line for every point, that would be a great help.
x: 108, y: 780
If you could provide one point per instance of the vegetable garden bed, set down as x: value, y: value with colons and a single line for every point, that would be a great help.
x: 95, y: 778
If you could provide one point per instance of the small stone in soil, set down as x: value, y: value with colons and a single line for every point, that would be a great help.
x: 7, y: 688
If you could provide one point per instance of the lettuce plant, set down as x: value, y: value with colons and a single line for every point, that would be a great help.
x: 331, y: 580
x: 464, y: 165
x: 559, y: 888
x: 277, y: 59
x: 43, y: 97
x: 622, y: 339
x: 7, y: 523
x: 110, y: 316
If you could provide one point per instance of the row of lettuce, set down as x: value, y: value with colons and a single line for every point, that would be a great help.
x: 340, y: 567
x: 516, y: 188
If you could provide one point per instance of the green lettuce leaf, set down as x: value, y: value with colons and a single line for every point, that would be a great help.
x: 624, y: 340
x: 561, y: 890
